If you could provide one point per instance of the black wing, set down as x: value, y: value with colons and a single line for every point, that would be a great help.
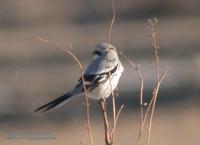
x: 93, y: 80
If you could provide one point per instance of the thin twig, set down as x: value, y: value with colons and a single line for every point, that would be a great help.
x: 117, y: 118
x: 119, y: 112
x: 112, y: 135
x: 62, y: 48
x: 108, y: 40
x: 112, y: 21
x: 154, y: 100
x: 87, y: 109
x: 138, y: 70
x: 105, y: 120
x: 151, y: 106
x: 153, y: 36
x: 86, y: 102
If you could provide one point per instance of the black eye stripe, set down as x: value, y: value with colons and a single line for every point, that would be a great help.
x: 97, y: 52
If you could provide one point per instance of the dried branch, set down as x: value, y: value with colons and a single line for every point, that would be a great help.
x: 62, y: 48
x: 108, y: 40
x: 112, y: 21
x: 109, y: 136
x: 153, y: 36
x: 86, y: 101
x: 106, y: 122
x: 116, y: 121
x: 138, y: 70
x: 151, y: 106
x: 112, y: 135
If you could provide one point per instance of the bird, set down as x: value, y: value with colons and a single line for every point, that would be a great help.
x: 101, y: 77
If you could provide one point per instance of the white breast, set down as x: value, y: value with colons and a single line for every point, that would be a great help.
x: 105, y: 89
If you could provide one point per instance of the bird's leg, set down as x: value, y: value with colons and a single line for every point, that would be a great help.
x: 102, y: 102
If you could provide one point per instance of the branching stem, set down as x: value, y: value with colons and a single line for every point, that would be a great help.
x: 86, y: 101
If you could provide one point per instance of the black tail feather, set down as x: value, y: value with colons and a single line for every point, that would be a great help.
x: 53, y: 103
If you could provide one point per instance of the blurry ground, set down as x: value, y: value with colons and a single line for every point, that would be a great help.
x: 32, y: 73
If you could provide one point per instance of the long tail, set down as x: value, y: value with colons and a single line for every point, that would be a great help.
x: 54, y: 103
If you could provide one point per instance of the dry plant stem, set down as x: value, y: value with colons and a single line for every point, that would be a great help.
x: 119, y: 112
x: 117, y: 117
x: 116, y: 120
x: 141, y: 105
x: 153, y: 102
x: 112, y: 21
x: 153, y: 36
x: 141, y: 99
x: 105, y: 120
x: 112, y: 135
x: 86, y: 102
x: 151, y: 106
x: 138, y: 70
x: 108, y: 40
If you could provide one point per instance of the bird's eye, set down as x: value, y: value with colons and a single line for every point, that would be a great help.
x: 96, y: 52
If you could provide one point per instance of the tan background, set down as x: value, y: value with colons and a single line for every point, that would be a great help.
x: 32, y: 72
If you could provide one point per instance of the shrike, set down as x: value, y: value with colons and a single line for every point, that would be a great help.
x: 101, y: 77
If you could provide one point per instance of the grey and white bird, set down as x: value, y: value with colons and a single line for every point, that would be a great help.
x: 101, y: 77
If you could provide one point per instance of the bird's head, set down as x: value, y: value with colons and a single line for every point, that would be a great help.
x: 103, y: 48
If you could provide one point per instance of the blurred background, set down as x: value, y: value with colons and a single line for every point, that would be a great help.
x: 33, y: 73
